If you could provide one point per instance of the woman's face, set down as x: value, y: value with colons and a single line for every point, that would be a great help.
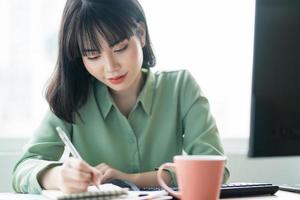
x: 118, y: 67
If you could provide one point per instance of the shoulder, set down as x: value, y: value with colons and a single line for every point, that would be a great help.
x: 177, y: 79
x: 171, y: 73
x: 181, y: 87
x: 173, y: 76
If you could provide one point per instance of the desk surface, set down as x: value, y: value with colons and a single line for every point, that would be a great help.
x: 280, y: 195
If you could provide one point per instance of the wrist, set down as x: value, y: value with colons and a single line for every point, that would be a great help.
x: 50, y: 178
x: 130, y: 177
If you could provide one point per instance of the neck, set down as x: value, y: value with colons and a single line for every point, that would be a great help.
x: 130, y: 92
x: 125, y: 100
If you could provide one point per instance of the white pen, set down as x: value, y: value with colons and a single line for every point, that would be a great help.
x: 63, y: 136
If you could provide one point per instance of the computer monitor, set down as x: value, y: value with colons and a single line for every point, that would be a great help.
x: 275, y: 96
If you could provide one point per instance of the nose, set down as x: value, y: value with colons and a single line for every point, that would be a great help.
x: 110, y: 64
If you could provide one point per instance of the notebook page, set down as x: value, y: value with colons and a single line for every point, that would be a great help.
x: 105, y: 191
x: 104, y: 187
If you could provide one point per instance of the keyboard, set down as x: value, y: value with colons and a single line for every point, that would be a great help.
x: 247, y: 189
x: 237, y: 189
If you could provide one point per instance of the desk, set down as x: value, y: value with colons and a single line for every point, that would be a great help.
x: 280, y: 195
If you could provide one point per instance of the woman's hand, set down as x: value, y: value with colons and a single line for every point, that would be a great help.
x: 109, y: 173
x: 76, y: 175
x: 145, y: 179
x: 73, y: 176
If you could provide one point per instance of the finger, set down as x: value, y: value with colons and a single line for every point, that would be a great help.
x: 102, y: 167
x: 75, y: 186
x: 80, y: 165
x: 107, y: 176
x: 97, y: 176
x: 76, y: 175
x: 71, y: 174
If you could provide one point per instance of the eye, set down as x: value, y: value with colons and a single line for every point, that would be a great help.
x: 122, y: 49
x: 93, y: 57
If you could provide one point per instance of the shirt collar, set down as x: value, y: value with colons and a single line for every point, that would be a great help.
x: 105, y: 101
x: 103, y: 98
x: 146, y: 94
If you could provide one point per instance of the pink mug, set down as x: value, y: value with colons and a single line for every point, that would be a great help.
x: 199, y: 177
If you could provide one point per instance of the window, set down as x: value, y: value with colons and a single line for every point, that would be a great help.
x: 28, y: 50
x: 213, y: 39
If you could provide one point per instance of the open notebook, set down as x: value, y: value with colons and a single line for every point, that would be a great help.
x: 106, y: 191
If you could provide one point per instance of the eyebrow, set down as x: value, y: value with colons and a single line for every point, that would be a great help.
x: 119, y: 41
x: 86, y: 51
x: 91, y: 51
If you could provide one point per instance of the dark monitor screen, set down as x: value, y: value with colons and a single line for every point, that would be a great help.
x: 275, y: 97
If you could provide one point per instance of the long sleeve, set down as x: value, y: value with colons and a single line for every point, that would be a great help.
x: 41, y: 152
x: 201, y: 136
x: 171, y: 115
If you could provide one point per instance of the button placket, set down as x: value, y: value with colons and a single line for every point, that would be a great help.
x: 135, y: 161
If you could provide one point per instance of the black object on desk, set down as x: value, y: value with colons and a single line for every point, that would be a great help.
x: 290, y: 188
x: 237, y: 189
x: 247, y: 189
x: 227, y: 190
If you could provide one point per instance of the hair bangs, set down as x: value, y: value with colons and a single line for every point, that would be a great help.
x: 96, y: 26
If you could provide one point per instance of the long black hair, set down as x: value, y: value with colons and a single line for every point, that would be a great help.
x: 82, y: 22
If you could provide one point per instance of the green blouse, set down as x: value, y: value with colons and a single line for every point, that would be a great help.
x: 171, y: 115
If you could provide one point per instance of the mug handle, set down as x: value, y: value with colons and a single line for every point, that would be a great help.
x: 162, y: 182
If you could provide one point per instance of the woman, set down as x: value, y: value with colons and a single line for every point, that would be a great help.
x: 123, y: 119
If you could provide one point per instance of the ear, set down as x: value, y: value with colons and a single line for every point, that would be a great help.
x: 141, y: 33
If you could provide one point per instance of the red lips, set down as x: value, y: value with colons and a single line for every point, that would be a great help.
x: 118, y: 79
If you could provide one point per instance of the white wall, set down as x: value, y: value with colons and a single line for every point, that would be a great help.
x: 7, y: 161
x: 10, y: 151
x: 273, y: 170
x: 277, y: 170
x: 242, y: 169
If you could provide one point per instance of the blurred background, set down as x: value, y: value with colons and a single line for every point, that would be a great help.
x: 213, y: 39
